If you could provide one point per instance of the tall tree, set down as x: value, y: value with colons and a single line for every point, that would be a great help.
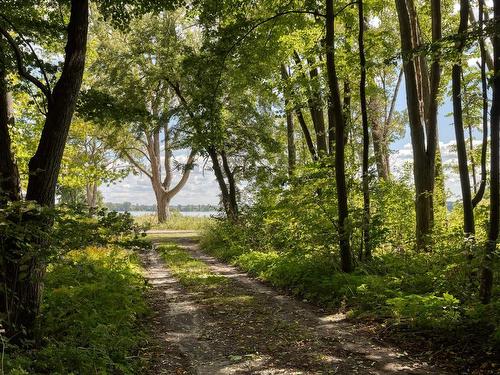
x: 484, y: 94
x: 366, y: 132
x: 10, y: 188
x: 422, y: 88
x: 487, y: 269
x: 336, y: 120
x: 22, y: 290
x: 458, y: 120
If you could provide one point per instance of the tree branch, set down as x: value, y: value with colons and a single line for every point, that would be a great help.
x: 185, y: 175
x: 136, y: 164
x: 20, y: 65
x: 38, y: 61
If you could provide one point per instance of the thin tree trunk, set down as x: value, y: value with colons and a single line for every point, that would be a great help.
x: 307, y: 134
x: 459, y: 127
x: 291, y: 151
x: 219, y: 175
x: 487, y: 268
x: 233, y: 199
x: 366, y: 134
x: 314, y: 104
x: 339, y: 121
x: 484, y: 88
x: 91, y: 195
x: 472, y: 158
x: 10, y: 189
x: 346, y: 108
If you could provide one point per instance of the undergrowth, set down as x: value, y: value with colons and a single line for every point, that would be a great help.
x: 90, y: 318
x: 434, y: 294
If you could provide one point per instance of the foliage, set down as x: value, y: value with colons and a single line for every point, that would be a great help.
x: 287, y: 238
x: 90, y: 319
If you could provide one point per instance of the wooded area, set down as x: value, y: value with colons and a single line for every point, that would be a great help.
x: 295, y: 107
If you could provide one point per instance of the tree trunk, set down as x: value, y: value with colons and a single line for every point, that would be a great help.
x: 316, y: 105
x: 487, y: 269
x: 45, y: 164
x: 484, y: 88
x: 91, y: 195
x: 10, y: 189
x: 162, y: 206
x: 422, y: 111
x: 219, y: 175
x: 290, y: 133
x: 366, y: 134
x: 380, y: 150
x: 302, y: 121
x: 233, y: 199
x: 339, y: 121
x: 23, y: 275
x: 459, y: 127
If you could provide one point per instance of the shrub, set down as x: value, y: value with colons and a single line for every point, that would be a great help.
x: 90, y: 319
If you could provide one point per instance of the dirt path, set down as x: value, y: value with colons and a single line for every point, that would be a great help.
x: 231, y: 324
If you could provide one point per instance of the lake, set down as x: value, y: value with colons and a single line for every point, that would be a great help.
x: 190, y: 213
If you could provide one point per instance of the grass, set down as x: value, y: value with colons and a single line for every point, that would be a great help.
x: 91, y: 317
x: 189, y: 271
x: 177, y: 221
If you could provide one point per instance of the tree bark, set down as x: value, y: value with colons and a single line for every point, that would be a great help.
x: 421, y: 97
x: 314, y: 102
x: 366, y: 134
x: 91, y: 195
x: 316, y: 105
x: 10, y: 189
x: 484, y: 91
x: 45, y: 164
x: 463, y: 168
x: 162, y: 188
x: 219, y: 175
x: 337, y: 121
x: 24, y: 270
x: 233, y: 199
x: 487, y: 268
x: 302, y: 122
x: 290, y: 132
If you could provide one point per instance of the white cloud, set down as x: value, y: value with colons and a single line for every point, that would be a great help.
x: 201, y: 187
x: 449, y: 157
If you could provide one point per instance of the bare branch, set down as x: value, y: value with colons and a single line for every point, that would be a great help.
x: 20, y: 65
x: 38, y: 61
x: 185, y: 175
x: 136, y: 164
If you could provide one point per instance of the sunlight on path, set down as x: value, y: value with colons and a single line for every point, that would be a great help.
x: 213, y: 319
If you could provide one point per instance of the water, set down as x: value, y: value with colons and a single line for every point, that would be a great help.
x: 190, y: 213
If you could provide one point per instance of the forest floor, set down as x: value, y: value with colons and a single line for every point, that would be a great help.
x: 210, y: 318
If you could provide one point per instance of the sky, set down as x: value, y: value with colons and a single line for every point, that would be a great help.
x: 202, y: 187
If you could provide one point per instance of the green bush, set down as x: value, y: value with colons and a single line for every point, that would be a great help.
x: 288, y: 238
x: 90, y: 318
x: 427, y: 311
